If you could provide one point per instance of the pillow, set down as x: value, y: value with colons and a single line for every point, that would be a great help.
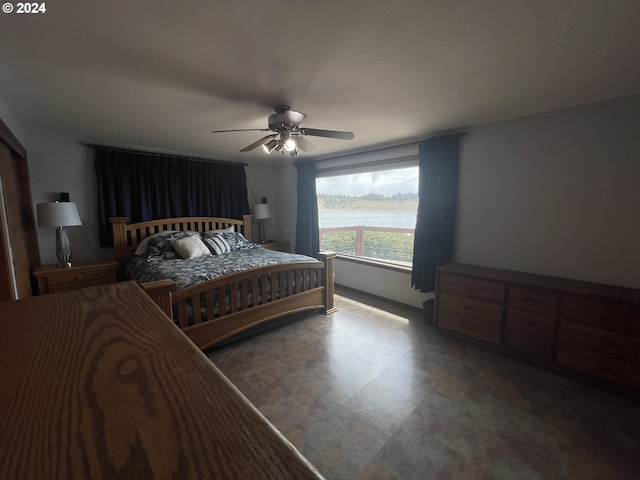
x: 160, y: 245
x: 238, y: 242
x: 190, y: 246
x: 217, y: 244
x: 230, y: 229
x: 142, y: 246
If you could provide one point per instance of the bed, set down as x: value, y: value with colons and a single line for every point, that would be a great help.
x: 214, y: 309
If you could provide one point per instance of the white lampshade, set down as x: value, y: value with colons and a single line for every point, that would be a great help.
x: 58, y: 214
x: 261, y: 211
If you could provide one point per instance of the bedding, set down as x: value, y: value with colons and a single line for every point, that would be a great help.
x: 161, y: 262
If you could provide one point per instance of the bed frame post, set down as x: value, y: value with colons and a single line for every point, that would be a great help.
x: 328, y: 258
x: 160, y: 292
x: 247, y: 227
x: 118, y: 225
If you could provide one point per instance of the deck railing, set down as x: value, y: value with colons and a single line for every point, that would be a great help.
x: 362, y: 241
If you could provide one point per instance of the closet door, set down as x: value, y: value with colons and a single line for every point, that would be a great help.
x: 18, y: 243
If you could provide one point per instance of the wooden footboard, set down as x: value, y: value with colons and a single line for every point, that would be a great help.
x: 212, y: 311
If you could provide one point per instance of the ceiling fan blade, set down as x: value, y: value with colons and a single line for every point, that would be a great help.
x: 262, y: 141
x: 327, y: 133
x: 243, y: 130
x: 304, y: 144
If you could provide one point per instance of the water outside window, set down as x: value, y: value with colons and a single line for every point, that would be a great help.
x: 369, y: 214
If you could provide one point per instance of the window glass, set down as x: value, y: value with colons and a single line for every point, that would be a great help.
x: 369, y: 214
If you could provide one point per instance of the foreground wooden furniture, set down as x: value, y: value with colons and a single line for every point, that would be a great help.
x: 98, y: 383
x: 583, y: 328
x: 292, y: 287
x: 55, y: 279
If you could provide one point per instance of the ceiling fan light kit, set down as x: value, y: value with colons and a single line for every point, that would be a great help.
x: 289, y: 136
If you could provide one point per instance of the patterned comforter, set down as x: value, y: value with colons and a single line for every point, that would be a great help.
x: 189, y: 272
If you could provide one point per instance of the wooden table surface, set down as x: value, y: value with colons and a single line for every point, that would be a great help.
x: 97, y: 383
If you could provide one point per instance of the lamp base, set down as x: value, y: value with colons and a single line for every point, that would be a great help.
x: 63, y: 248
x: 263, y: 236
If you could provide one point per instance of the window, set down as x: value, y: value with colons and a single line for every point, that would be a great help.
x: 370, y: 215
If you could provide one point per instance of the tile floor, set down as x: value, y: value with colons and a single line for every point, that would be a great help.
x: 372, y: 392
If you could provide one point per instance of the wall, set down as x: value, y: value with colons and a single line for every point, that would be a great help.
x: 555, y: 194
x: 57, y: 163
x: 10, y: 121
x: 260, y: 184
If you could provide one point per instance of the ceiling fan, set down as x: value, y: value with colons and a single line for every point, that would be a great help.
x: 289, y: 136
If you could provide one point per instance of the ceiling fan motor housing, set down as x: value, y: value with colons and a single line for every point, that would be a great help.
x: 285, y: 119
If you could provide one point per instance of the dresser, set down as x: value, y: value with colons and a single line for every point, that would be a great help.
x: 588, y: 329
x: 98, y: 383
x: 55, y: 279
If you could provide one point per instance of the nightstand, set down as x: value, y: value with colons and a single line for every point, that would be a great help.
x: 54, y: 279
x: 276, y: 245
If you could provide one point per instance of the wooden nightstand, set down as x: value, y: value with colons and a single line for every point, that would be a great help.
x: 276, y: 245
x: 54, y: 279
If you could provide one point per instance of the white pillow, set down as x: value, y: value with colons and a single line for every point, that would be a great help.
x: 217, y: 244
x: 190, y: 247
x: 142, y: 246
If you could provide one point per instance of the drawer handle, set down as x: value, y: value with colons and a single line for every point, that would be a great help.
x: 79, y: 277
x: 469, y: 308
x: 527, y: 344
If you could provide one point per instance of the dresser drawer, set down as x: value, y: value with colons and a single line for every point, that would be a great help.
x: 78, y: 278
x: 536, y: 300
x: 471, y: 328
x: 485, y: 312
x: 531, y: 323
x: 608, y: 344
x: 603, y: 315
x: 529, y: 345
x: 481, y: 290
x: 607, y: 369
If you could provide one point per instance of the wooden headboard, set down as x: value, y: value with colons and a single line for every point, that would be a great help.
x: 126, y: 237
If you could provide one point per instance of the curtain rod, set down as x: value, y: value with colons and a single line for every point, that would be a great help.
x: 379, y: 147
x: 162, y: 154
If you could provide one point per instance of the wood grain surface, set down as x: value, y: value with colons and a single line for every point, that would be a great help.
x: 98, y: 383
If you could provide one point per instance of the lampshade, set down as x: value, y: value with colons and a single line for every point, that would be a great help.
x: 270, y: 145
x: 58, y: 214
x: 261, y: 211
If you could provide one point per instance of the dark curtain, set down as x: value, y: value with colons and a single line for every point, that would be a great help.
x: 145, y: 186
x: 307, y: 230
x: 437, y: 204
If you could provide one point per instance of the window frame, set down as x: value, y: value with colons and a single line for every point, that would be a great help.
x: 370, y: 167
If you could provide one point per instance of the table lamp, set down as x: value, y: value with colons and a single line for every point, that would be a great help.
x: 60, y: 215
x: 261, y: 212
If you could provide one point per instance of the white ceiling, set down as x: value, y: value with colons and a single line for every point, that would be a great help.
x: 163, y: 74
